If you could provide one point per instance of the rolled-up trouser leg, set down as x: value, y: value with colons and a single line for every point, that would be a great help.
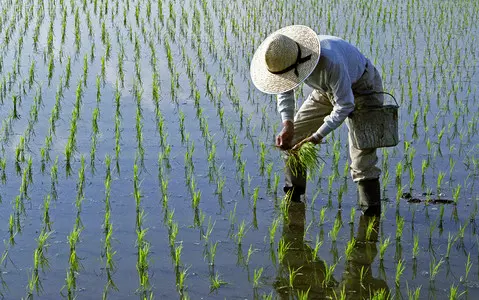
x: 307, y: 120
x: 363, y: 162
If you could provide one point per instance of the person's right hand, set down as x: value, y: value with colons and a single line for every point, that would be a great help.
x: 285, y: 137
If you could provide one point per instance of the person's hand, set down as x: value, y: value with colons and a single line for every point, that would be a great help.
x: 285, y: 137
x: 315, y: 139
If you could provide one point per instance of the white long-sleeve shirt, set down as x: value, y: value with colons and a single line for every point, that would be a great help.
x: 340, y: 66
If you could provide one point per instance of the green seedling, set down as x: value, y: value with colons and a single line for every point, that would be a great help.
x: 250, y: 252
x: 316, y: 248
x: 303, y: 159
x: 454, y: 294
x: 352, y: 215
x: 283, y: 248
x: 272, y: 230
x: 303, y: 295
x: 370, y: 227
x: 434, y: 268
x: 328, y: 276
x: 292, y: 275
x: 415, y: 249
x: 241, y: 232
x: 257, y: 277
x: 333, y: 234
x: 177, y: 255
x: 468, y: 268
x: 399, y: 270
x: 216, y: 282
x: 413, y: 294
x: 350, y: 248
x: 399, y: 227
x: 212, y: 253
x: 382, y: 247
x: 322, y: 215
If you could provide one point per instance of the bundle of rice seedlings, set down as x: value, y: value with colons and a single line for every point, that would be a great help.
x: 306, y: 157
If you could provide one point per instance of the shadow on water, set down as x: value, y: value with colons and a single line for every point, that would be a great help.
x: 311, y: 280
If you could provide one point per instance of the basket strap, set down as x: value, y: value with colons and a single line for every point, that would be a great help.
x: 375, y: 93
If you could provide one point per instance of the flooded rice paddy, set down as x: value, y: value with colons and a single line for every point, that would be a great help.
x: 137, y: 159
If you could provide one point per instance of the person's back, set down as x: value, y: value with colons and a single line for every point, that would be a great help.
x: 335, y: 50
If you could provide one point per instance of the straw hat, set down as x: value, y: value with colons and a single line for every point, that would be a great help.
x: 285, y: 59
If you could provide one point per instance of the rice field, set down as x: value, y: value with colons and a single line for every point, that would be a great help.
x: 138, y: 161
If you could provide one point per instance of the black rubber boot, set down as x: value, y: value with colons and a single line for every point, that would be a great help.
x: 369, y: 195
x: 294, y: 185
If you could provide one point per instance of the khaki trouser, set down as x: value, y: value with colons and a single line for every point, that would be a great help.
x: 319, y: 105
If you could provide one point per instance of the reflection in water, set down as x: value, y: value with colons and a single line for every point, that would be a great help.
x: 311, y: 273
x: 358, y: 280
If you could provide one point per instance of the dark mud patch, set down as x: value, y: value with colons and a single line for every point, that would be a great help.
x: 412, y: 199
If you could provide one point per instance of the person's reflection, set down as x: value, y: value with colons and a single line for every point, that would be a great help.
x: 357, y: 280
x: 299, y: 256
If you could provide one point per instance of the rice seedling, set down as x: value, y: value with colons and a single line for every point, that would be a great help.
x: 462, y: 229
x: 440, y: 178
x: 434, y: 268
x: 450, y: 241
x: 212, y: 253
x: 250, y: 252
x: 352, y: 215
x: 350, y: 248
x: 272, y: 230
x: 284, y: 206
x: 342, y: 294
x: 255, y: 197
x: 74, y: 263
x: 216, y: 282
x: 453, y: 292
x: 467, y: 269
x: 383, y: 247
x: 303, y: 295
x: 306, y: 157
x: 413, y: 294
x: 241, y: 232
x: 257, y: 277
x: 322, y: 215
x: 180, y: 282
x: 177, y: 255
x: 328, y: 274
x: 283, y: 248
x: 292, y: 275
x: 399, y: 227
x: 456, y: 193
x: 400, y: 267
x: 333, y: 234
x: 371, y: 227
x: 415, y: 249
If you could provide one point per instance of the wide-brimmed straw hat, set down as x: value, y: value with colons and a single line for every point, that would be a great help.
x: 285, y: 59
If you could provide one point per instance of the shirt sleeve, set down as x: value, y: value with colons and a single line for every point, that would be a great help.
x: 339, y: 84
x: 286, y: 105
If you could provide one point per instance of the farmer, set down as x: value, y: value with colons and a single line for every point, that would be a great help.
x: 339, y: 74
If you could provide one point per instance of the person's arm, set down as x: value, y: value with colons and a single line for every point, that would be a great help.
x: 339, y: 84
x: 286, y: 106
x: 286, y: 109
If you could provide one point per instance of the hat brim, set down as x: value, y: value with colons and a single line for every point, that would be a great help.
x: 270, y: 83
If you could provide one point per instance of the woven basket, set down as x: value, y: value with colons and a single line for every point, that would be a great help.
x: 374, y: 127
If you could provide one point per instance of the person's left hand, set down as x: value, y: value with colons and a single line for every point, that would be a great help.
x: 310, y: 139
